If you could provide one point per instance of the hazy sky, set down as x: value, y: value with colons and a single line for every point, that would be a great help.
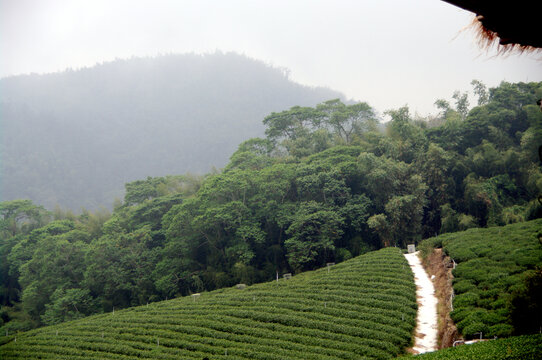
x: 386, y: 52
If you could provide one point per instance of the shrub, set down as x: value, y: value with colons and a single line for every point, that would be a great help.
x: 514, y: 348
x: 474, y: 329
x: 462, y: 286
x: 493, y: 264
x: 467, y: 299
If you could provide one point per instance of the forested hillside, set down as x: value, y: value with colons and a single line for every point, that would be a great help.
x: 75, y: 138
x: 324, y: 185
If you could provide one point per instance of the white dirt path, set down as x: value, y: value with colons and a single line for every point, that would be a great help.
x: 426, y: 321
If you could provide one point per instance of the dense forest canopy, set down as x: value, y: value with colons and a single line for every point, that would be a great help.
x: 75, y: 138
x: 324, y: 184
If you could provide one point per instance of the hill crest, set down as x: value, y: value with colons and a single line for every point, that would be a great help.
x: 75, y: 138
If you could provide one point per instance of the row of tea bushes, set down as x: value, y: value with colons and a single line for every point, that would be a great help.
x: 493, y: 268
x: 361, y: 308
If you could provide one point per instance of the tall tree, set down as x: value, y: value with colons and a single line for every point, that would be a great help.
x: 480, y: 90
x: 312, y: 231
x: 461, y: 103
x: 348, y: 121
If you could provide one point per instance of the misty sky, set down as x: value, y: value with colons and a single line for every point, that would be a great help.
x: 386, y: 52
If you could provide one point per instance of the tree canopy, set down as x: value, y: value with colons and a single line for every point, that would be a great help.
x: 326, y: 184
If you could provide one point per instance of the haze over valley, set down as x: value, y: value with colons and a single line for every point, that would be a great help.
x: 75, y: 138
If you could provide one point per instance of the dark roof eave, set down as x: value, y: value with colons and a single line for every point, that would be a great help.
x: 515, y: 22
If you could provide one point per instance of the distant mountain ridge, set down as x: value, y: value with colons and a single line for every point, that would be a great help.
x: 75, y: 138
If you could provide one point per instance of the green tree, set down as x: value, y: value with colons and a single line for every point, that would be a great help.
x: 57, y: 260
x: 481, y: 91
x: 525, y: 304
x: 405, y: 214
x: 312, y: 233
x: 449, y: 222
x: 119, y: 270
x: 434, y: 165
x: 380, y: 224
x: 252, y: 154
x: 443, y: 106
x: 409, y: 139
x: 461, y: 103
x: 292, y: 124
x: 17, y: 219
x: 68, y: 305
x: 21, y: 216
x: 348, y: 121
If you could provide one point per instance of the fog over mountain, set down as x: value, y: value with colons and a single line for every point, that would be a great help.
x: 75, y: 138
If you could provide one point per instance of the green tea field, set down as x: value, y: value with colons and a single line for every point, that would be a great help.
x: 491, y: 280
x: 361, y: 308
x: 527, y: 347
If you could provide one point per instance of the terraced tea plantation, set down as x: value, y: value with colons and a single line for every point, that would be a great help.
x: 528, y: 347
x: 362, y: 308
x: 492, y: 265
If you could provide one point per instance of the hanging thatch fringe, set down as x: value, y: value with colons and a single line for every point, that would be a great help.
x: 488, y: 39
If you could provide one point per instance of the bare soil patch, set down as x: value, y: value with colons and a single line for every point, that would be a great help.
x: 440, y: 266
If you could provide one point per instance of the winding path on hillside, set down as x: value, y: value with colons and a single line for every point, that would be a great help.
x: 426, y: 321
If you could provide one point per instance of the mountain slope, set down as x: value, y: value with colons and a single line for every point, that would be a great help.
x: 364, y: 307
x: 75, y: 138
